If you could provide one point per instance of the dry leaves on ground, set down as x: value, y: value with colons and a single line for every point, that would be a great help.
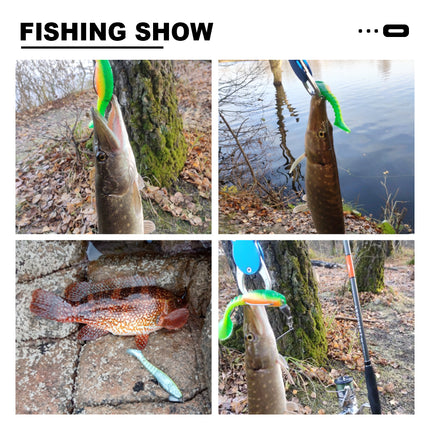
x: 247, y: 213
x: 55, y: 191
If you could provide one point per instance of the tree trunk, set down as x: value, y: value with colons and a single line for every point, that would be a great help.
x: 146, y: 91
x: 275, y: 67
x: 389, y: 248
x: 369, y: 265
x: 291, y: 272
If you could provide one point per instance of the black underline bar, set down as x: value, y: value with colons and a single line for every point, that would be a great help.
x: 91, y: 47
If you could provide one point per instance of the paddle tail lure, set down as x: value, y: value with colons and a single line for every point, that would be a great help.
x: 164, y: 380
x: 255, y: 297
x: 328, y: 95
x: 372, y: 387
x: 103, y: 85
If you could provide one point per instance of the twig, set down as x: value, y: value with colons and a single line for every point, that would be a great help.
x: 236, y: 139
x: 352, y: 319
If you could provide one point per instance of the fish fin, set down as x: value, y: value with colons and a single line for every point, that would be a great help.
x: 148, y: 227
x: 296, y: 162
x: 175, y: 319
x: 140, y: 182
x: 141, y: 340
x: 48, y: 305
x: 301, y: 208
x: 91, y: 333
x: 285, y: 368
x: 79, y: 290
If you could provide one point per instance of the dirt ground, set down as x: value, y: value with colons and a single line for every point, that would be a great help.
x: 58, y: 374
x: 389, y: 329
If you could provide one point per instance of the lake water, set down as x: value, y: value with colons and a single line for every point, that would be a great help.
x: 377, y: 102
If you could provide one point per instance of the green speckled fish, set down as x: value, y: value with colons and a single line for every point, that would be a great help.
x: 124, y: 306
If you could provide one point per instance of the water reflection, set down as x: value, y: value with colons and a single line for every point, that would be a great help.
x: 296, y: 176
x: 377, y: 101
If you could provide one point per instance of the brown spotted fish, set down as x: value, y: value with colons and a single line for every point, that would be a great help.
x: 266, y: 390
x: 124, y: 306
x: 117, y: 183
x: 322, y: 178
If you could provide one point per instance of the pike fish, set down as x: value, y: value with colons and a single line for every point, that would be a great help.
x: 118, y: 201
x: 322, y: 179
x: 124, y: 306
x: 266, y: 391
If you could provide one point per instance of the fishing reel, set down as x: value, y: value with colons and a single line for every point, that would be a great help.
x: 346, y: 396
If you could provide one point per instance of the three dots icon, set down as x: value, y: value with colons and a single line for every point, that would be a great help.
x: 389, y: 30
x: 360, y: 30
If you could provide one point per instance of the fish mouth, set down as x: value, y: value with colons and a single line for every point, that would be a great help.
x: 260, y: 343
x: 109, y: 135
x: 256, y: 323
x: 318, y: 111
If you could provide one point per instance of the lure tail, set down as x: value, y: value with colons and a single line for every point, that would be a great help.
x: 256, y: 297
x: 328, y: 95
x: 225, y: 326
x: 48, y: 305
x: 103, y: 86
x: 164, y: 380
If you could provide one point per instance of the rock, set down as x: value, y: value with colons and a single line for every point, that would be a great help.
x: 45, y: 376
x: 57, y: 374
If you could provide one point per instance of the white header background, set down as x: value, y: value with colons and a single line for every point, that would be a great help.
x: 241, y: 30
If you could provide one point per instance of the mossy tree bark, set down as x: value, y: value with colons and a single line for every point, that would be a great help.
x: 290, y: 268
x: 369, y: 265
x: 146, y: 92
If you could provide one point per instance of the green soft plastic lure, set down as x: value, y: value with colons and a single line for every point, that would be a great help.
x: 328, y: 95
x: 103, y: 85
x: 255, y: 297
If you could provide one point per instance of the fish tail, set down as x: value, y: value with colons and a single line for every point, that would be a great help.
x: 48, y: 305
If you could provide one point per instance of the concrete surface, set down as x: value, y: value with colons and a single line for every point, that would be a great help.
x: 57, y: 374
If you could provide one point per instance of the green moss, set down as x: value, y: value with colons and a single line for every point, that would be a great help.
x: 308, y: 339
x: 155, y: 123
x: 369, y: 266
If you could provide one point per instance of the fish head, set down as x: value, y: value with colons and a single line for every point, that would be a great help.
x: 115, y: 163
x: 319, y: 130
x: 260, y: 343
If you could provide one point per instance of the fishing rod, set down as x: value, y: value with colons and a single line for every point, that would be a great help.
x: 372, y: 387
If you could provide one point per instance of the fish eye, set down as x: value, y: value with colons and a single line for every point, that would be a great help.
x: 250, y: 337
x: 321, y: 133
x: 101, y: 156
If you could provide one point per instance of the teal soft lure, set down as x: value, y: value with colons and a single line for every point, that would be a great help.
x: 165, y: 381
x: 328, y: 95
x: 255, y: 297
